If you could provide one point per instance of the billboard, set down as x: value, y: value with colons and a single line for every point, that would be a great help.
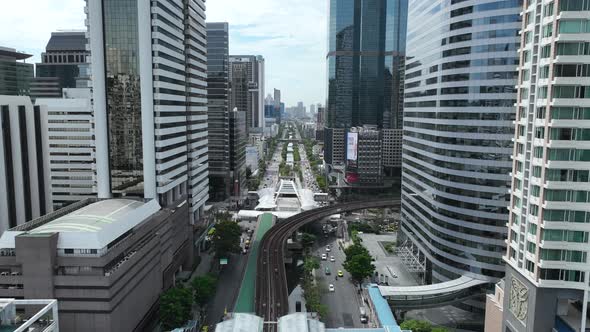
x: 352, y: 146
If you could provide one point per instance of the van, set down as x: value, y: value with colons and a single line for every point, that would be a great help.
x: 363, y: 314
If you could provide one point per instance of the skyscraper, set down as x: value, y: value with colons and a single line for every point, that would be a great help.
x: 547, y: 270
x: 458, y: 112
x: 24, y: 162
x: 366, y: 45
x: 148, y: 78
x: 247, y: 88
x: 15, y: 74
x: 63, y: 65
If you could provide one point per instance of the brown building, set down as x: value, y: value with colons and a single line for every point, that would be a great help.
x: 105, y: 261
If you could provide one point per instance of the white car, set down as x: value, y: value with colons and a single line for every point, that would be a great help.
x: 331, y: 288
x: 324, y: 257
x: 328, y: 249
x: 332, y: 259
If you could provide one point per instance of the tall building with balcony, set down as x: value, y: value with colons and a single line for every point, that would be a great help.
x: 547, y: 268
x: 247, y: 89
x: 366, y: 46
x: 149, y: 69
x: 460, y: 79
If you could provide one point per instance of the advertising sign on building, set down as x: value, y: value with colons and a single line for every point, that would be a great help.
x: 352, y: 146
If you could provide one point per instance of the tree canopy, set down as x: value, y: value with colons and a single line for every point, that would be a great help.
x: 420, y: 326
x: 359, y: 266
x: 204, y: 287
x: 226, y: 238
x: 175, y: 307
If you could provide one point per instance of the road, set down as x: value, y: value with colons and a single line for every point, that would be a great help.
x: 343, y: 304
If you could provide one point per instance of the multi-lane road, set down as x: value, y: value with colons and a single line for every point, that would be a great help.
x: 271, y: 300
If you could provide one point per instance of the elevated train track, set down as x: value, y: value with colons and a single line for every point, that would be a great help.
x: 271, y: 300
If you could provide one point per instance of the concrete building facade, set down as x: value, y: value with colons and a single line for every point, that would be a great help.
x: 105, y: 261
x: 247, y: 73
x: 149, y: 69
x: 24, y: 163
x: 547, y: 268
x: 15, y: 73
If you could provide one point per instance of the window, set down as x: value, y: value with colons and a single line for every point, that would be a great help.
x: 546, y: 51
x: 570, y: 113
x: 574, y: 26
x: 574, y: 5
x: 538, y: 152
x: 573, y: 48
x: 535, y: 191
x: 68, y: 251
x: 544, y: 72
x: 531, y: 247
x: 537, y: 171
x: 548, y: 31
x: 532, y: 229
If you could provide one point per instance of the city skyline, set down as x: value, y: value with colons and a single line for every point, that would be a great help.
x: 291, y: 37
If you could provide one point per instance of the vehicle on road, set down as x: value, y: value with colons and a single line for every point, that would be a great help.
x: 332, y: 259
x: 328, y: 249
x: 327, y: 270
x: 331, y: 288
x: 364, y: 317
x: 340, y: 273
x: 324, y: 257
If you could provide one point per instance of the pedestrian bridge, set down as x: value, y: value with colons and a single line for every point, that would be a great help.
x: 435, y: 295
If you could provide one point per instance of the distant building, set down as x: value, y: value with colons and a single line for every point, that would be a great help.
x: 71, y: 146
x: 15, y: 74
x: 239, y: 140
x: 105, y: 261
x: 24, y: 162
x: 363, y: 157
x: 279, y: 107
x: 247, y: 88
x: 63, y: 65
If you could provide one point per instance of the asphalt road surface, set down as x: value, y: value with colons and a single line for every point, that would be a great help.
x: 344, y: 303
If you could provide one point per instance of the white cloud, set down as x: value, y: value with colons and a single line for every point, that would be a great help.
x: 290, y: 34
x: 27, y: 24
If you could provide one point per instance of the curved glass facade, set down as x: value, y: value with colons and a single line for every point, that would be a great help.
x: 459, y: 101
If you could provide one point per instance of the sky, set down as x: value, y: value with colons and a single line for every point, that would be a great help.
x: 289, y: 34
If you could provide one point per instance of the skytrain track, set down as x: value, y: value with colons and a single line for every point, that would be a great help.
x: 271, y: 301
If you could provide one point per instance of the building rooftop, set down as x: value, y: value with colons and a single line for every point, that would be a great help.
x: 12, y: 53
x: 240, y: 322
x: 300, y: 322
x: 383, y: 310
x: 67, y: 41
x: 92, y: 226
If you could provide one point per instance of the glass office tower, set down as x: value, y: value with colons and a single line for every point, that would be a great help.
x: 460, y: 79
x: 366, y: 44
x: 149, y: 69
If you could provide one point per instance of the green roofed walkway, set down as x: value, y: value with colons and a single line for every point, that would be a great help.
x: 245, y: 301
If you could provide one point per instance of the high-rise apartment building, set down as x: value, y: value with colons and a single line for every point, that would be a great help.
x: 71, y: 146
x: 238, y: 140
x: 24, y: 166
x: 278, y: 107
x: 366, y: 46
x: 547, y: 269
x: 460, y: 79
x: 247, y: 88
x: 63, y: 65
x: 149, y: 69
x: 15, y: 74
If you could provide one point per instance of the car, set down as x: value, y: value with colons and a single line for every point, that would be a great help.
x: 327, y: 270
x: 324, y: 257
x: 328, y: 249
x: 331, y: 288
x: 340, y: 273
x: 332, y: 259
x: 244, y: 251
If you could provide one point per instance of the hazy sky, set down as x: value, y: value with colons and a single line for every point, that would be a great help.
x: 290, y: 34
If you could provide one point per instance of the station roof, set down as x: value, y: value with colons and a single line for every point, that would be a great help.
x: 241, y: 323
x: 300, y: 322
x: 383, y: 310
x: 92, y: 226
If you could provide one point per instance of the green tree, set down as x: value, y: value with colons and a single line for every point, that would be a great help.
x: 416, y: 325
x: 307, y: 240
x: 359, y: 266
x: 204, y: 288
x: 309, y: 264
x: 439, y: 329
x: 175, y: 307
x: 355, y: 249
x: 226, y: 238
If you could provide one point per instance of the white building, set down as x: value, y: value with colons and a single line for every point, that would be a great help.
x: 71, y: 145
x: 547, y: 270
x: 24, y: 166
x: 149, y: 70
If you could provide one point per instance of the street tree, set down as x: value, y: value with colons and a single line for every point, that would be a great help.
x: 226, y: 238
x: 355, y: 249
x: 307, y: 240
x: 204, y: 288
x: 175, y: 307
x: 418, y: 326
x: 359, y: 266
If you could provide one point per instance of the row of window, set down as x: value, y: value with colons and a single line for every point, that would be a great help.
x: 565, y: 235
x: 567, y: 91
